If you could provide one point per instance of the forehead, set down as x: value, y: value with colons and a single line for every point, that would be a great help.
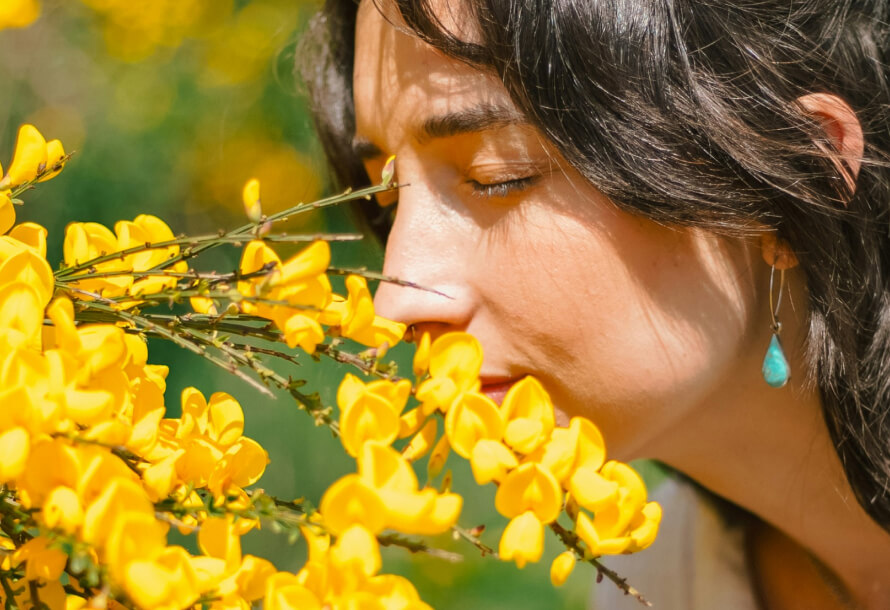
x: 400, y: 81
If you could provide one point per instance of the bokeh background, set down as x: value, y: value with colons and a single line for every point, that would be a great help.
x: 170, y: 106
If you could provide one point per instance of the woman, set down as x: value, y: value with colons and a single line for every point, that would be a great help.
x: 613, y: 195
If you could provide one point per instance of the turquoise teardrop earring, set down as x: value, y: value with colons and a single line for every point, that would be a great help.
x: 776, y: 371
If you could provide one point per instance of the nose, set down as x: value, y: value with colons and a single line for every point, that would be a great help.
x: 429, y: 245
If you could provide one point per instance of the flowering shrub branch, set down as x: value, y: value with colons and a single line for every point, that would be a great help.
x: 93, y: 473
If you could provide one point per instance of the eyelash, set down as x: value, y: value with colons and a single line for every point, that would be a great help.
x: 502, y: 189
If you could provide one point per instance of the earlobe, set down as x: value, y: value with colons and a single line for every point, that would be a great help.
x: 776, y: 251
x: 843, y: 130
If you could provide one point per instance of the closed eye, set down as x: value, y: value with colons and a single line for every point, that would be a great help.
x: 503, y: 188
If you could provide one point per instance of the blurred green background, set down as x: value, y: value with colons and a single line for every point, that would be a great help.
x: 170, y: 106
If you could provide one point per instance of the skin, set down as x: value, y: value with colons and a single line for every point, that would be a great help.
x: 655, y: 333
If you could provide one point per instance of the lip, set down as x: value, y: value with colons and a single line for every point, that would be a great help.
x: 496, y: 388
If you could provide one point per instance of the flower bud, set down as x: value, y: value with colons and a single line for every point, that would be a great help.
x: 251, y: 197
x: 561, y: 568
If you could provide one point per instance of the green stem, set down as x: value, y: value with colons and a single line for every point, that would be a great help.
x: 144, y: 323
x: 197, y: 241
x: 10, y: 594
x: 251, y: 229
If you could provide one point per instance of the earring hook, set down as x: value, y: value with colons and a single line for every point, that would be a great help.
x: 774, y: 309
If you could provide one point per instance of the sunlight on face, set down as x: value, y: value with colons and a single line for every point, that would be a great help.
x: 633, y: 324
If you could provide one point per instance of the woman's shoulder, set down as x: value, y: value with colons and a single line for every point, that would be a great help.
x: 697, y: 562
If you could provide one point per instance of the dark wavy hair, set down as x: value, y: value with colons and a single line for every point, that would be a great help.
x: 684, y: 111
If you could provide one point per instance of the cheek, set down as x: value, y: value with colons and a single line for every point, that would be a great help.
x: 629, y: 322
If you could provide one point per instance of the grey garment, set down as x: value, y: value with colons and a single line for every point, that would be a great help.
x: 697, y: 562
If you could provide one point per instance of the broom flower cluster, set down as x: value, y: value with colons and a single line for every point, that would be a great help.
x: 94, y: 472
x: 541, y: 470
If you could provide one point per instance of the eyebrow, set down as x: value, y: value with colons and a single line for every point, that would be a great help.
x: 468, y: 120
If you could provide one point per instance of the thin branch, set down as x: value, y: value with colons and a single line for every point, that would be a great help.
x: 572, y: 542
x: 416, y: 546
x: 141, y: 321
x: 369, y: 368
x: 252, y: 229
x: 460, y: 532
x: 198, y: 241
x: 374, y: 275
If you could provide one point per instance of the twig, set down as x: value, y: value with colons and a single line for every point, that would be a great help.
x: 355, y: 360
x: 196, y: 241
x: 373, y: 275
x: 571, y: 541
x: 180, y: 341
x: 416, y: 546
x: 474, y: 540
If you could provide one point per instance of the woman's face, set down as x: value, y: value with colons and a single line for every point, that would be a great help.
x: 637, y: 326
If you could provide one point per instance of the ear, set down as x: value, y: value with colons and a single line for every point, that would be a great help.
x: 777, y: 251
x: 843, y: 130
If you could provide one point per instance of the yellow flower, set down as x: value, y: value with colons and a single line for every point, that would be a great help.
x: 121, y: 498
x: 284, y: 592
x: 625, y: 524
x: 438, y: 457
x: 351, y: 501
x: 471, y: 418
x: 421, y: 362
x: 51, y: 462
x: 644, y: 527
x: 252, y: 576
x: 85, y: 241
x: 562, y: 567
x: 300, y: 282
x: 311, y: 262
x: 454, y: 363
x: 357, y: 548
x: 226, y: 419
x: 300, y: 329
x: 457, y: 356
x: 394, y: 592
x: 422, y: 442
x: 351, y: 389
x: 591, y: 490
x: 411, y: 422
x: 491, y: 460
x: 18, y: 13
x: 21, y: 316
x: 41, y: 561
x: 529, y: 415
x: 370, y: 418
x: 133, y: 536
x: 63, y: 510
x: 26, y: 266
x: 529, y: 488
x: 203, y: 305
x: 166, y: 583
x: 55, y: 160
x: 15, y: 445
x: 29, y: 158
x: 410, y: 511
x: 31, y: 234
x: 522, y: 540
x: 591, y: 446
x: 148, y: 229
x: 218, y: 538
x: 250, y: 195
x: 242, y: 464
x: 7, y: 213
x: 559, y: 453
x: 596, y: 543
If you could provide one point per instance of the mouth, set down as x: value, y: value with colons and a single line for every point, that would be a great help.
x: 497, y: 387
